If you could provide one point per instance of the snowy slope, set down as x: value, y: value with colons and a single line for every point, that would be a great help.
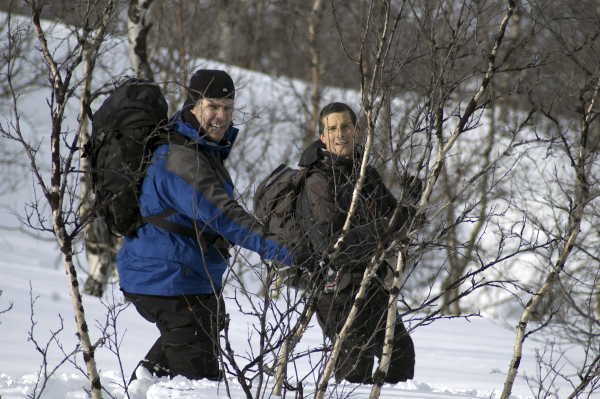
x: 455, y: 358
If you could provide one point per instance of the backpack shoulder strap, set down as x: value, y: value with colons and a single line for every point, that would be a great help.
x: 160, y: 220
x: 171, y: 137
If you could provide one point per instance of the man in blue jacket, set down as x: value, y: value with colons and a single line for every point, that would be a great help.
x: 175, y: 280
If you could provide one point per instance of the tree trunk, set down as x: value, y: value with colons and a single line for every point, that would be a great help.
x: 293, y: 338
x: 582, y: 199
x: 390, y: 327
x: 225, y: 32
x: 101, y: 251
x: 255, y: 55
x: 315, y: 69
x: 100, y: 246
x: 57, y: 194
x: 82, y: 327
x: 458, y: 265
x: 137, y: 32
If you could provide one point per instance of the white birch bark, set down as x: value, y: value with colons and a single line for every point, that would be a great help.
x: 61, y: 164
x: 137, y: 31
x: 82, y: 327
x: 390, y: 328
x: 101, y: 253
x: 292, y: 340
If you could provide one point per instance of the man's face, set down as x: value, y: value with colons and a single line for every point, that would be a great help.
x: 339, y: 134
x: 214, y: 115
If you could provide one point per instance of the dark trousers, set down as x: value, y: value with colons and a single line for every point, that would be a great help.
x: 366, y: 337
x: 188, y: 328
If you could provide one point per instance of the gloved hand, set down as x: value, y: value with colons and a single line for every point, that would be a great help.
x: 413, y: 190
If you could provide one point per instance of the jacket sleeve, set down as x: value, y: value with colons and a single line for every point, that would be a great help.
x: 195, y: 190
x: 327, y: 220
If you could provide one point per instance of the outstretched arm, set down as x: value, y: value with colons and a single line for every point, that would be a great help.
x: 196, y: 191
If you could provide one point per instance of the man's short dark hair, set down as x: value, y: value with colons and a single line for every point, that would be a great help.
x: 335, y: 108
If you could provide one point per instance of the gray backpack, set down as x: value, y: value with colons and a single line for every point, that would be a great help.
x: 275, y: 205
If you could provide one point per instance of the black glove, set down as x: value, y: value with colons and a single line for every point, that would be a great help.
x: 413, y: 190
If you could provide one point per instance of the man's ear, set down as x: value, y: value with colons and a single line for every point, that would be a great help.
x: 322, y: 139
x: 357, y: 132
x: 196, y: 110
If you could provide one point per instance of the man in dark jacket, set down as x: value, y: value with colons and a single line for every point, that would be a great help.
x: 333, y: 164
x: 175, y: 280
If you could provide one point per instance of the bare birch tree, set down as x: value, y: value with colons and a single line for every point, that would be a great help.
x: 59, y: 191
x: 137, y: 33
x: 559, y: 301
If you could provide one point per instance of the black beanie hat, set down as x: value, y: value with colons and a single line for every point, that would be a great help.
x: 209, y: 83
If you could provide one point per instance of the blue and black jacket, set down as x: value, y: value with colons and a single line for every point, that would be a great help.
x: 159, y: 262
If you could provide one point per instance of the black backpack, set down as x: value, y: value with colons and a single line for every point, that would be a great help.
x: 131, y: 123
x: 275, y: 205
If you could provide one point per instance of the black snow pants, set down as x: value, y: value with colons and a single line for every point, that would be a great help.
x: 188, y: 328
x: 366, y: 337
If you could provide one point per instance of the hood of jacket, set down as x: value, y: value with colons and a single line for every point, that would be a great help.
x: 188, y: 130
x: 310, y: 156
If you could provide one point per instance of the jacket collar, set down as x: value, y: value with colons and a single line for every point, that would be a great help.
x: 316, y: 152
x: 195, y: 134
x: 310, y: 156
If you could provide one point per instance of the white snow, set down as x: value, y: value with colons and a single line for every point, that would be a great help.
x: 455, y: 358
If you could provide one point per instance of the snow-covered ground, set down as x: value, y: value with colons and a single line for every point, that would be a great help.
x: 455, y: 358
